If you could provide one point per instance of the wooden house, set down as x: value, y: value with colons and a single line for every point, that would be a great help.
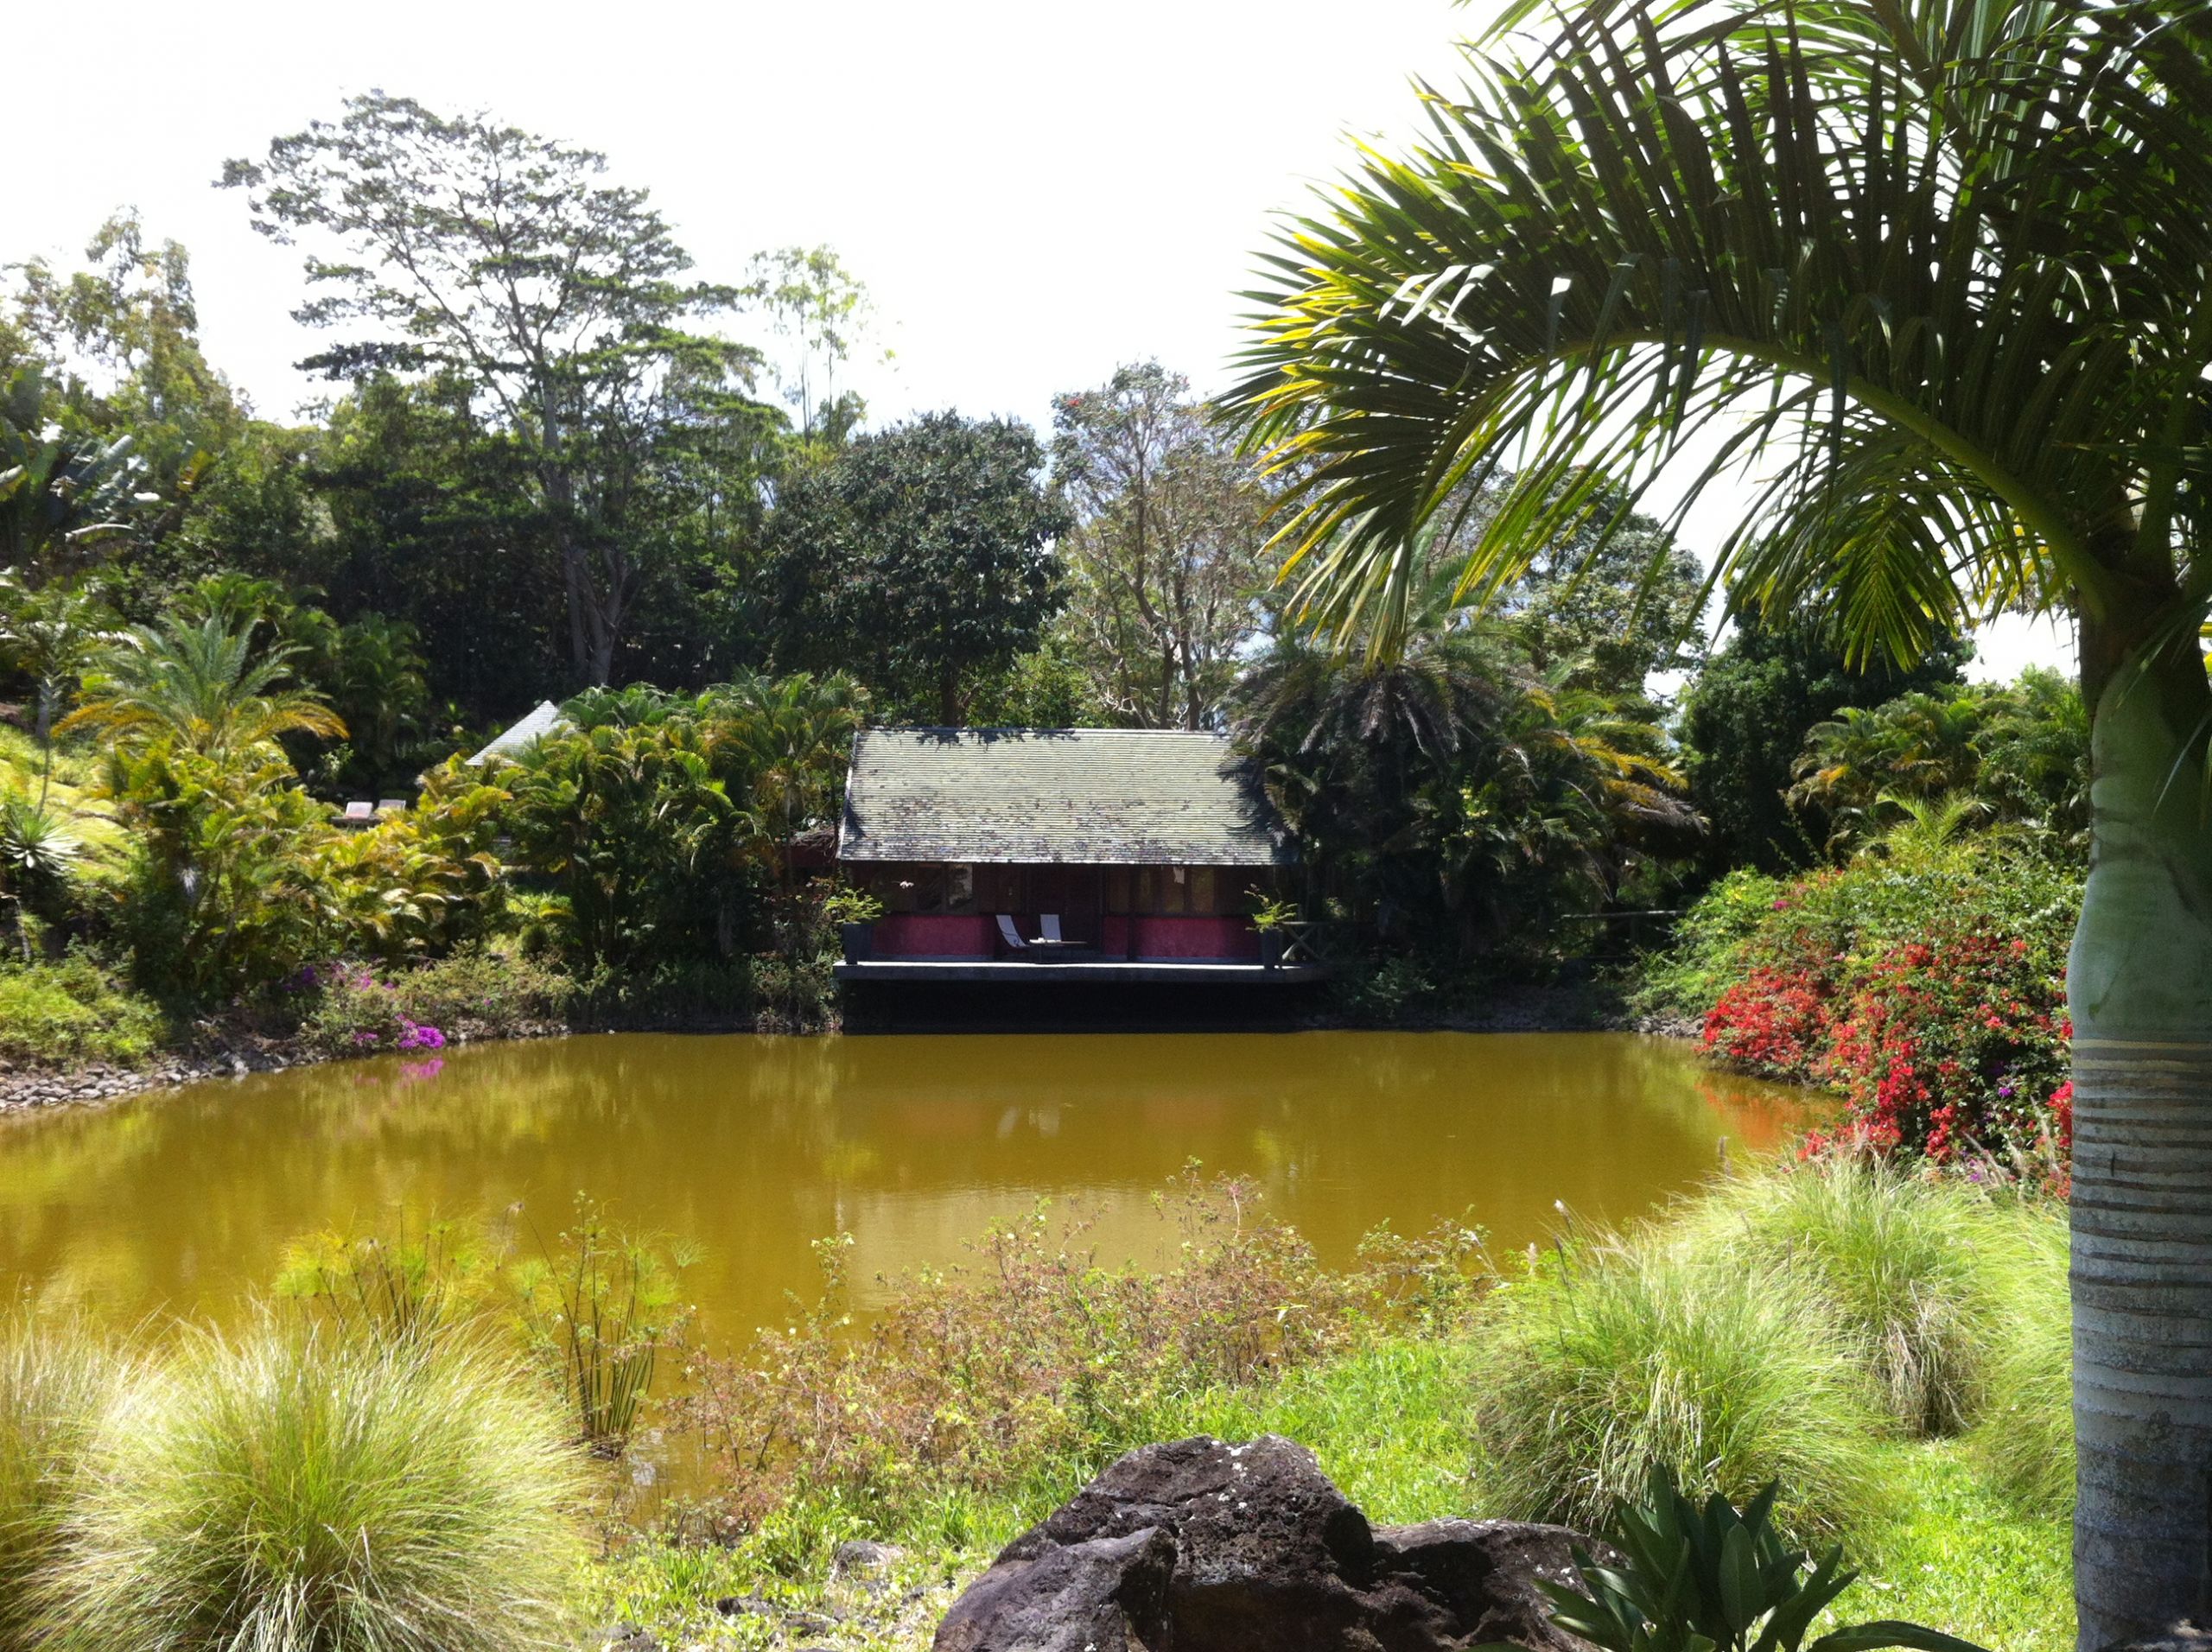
x: 1135, y: 851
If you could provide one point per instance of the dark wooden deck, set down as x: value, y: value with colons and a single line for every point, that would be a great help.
x: 1072, y: 971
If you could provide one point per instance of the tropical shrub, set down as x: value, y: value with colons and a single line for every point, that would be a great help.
x: 72, y: 1012
x: 1005, y: 1376
x: 55, y: 1381
x: 288, y: 1487
x: 357, y: 1009
x: 1927, y: 985
x: 1702, y: 1578
x: 1624, y: 1351
x: 1956, y: 1042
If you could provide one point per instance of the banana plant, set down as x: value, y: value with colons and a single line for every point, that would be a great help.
x: 1715, y: 1579
x: 59, y: 492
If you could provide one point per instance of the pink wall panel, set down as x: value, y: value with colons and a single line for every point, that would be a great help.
x: 1195, y: 937
x: 935, y: 935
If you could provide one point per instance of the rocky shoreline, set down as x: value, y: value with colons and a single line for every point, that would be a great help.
x: 24, y: 1089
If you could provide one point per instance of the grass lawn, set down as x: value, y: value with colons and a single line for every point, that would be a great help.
x: 1390, y: 1425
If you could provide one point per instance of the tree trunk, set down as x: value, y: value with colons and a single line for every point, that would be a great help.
x: 2139, y: 985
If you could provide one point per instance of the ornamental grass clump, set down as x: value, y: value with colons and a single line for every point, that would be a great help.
x: 1622, y: 1352
x: 54, y: 1383
x: 2025, y: 1436
x: 1898, y: 1262
x: 294, y: 1490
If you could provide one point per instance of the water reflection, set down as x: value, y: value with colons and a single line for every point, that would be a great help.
x: 754, y: 1145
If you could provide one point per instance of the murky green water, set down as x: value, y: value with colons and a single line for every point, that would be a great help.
x: 753, y: 1147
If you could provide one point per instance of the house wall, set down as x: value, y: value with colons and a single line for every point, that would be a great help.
x: 935, y: 935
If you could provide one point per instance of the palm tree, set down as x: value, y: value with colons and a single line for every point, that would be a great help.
x: 1944, y: 269
x: 202, y: 685
x: 792, y: 736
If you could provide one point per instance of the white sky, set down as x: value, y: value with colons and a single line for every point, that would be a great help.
x: 1033, y: 192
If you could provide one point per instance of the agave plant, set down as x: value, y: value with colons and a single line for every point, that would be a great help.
x: 36, y: 850
x: 1716, y: 1580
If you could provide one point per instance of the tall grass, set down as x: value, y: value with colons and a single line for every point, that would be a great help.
x: 1902, y: 1263
x: 54, y: 1387
x: 294, y: 1490
x: 1631, y: 1351
x: 2025, y: 1439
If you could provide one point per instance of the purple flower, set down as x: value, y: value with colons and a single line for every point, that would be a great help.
x: 2005, y: 1090
x: 365, y: 1040
x: 413, y: 1036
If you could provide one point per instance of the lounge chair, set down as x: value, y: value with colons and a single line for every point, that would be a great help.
x: 1051, y: 922
x: 1010, y: 935
x: 361, y: 809
x: 392, y: 805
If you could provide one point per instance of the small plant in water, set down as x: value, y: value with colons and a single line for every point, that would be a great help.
x: 599, y: 1306
x: 1714, y: 1579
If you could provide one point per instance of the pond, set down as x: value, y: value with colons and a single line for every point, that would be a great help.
x: 750, y: 1147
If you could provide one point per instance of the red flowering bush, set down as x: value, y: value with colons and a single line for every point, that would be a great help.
x: 1775, y: 1021
x: 1930, y: 992
x: 1957, y: 1040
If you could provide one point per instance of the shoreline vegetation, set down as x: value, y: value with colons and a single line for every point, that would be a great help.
x: 1890, y: 1346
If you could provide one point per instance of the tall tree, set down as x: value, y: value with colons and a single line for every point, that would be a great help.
x: 1163, y: 559
x: 919, y: 557
x: 1744, y: 721
x: 1950, y: 263
x: 462, y: 247
x: 822, y: 313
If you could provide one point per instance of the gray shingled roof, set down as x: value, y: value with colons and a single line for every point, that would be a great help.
x: 545, y: 720
x: 1097, y: 797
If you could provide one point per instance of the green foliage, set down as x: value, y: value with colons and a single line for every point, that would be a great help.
x: 917, y: 557
x: 290, y: 1488
x: 1164, y: 554
x: 1840, y: 919
x: 1448, y: 801
x: 220, y: 892
x: 409, y: 1286
x: 1786, y: 1321
x: 584, y: 367
x: 471, y: 993
x: 204, y: 686
x: 2025, y: 1435
x: 1745, y: 720
x: 2017, y: 754
x: 62, y: 493
x: 638, y: 830
x: 660, y: 818
x: 38, y: 849
x: 1018, y: 1374
x: 72, y: 1012
x: 56, y: 1379
x: 1626, y: 1351
x: 1698, y: 1579
x: 599, y: 1308
x: 1901, y: 1262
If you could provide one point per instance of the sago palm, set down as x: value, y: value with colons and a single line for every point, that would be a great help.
x: 1937, y: 274
x: 202, y: 685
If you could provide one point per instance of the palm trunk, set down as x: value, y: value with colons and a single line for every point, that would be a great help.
x: 2139, y: 985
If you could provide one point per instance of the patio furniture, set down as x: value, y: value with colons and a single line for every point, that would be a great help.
x: 1010, y: 935
x: 1051, y: 923
x: 360, y: 810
